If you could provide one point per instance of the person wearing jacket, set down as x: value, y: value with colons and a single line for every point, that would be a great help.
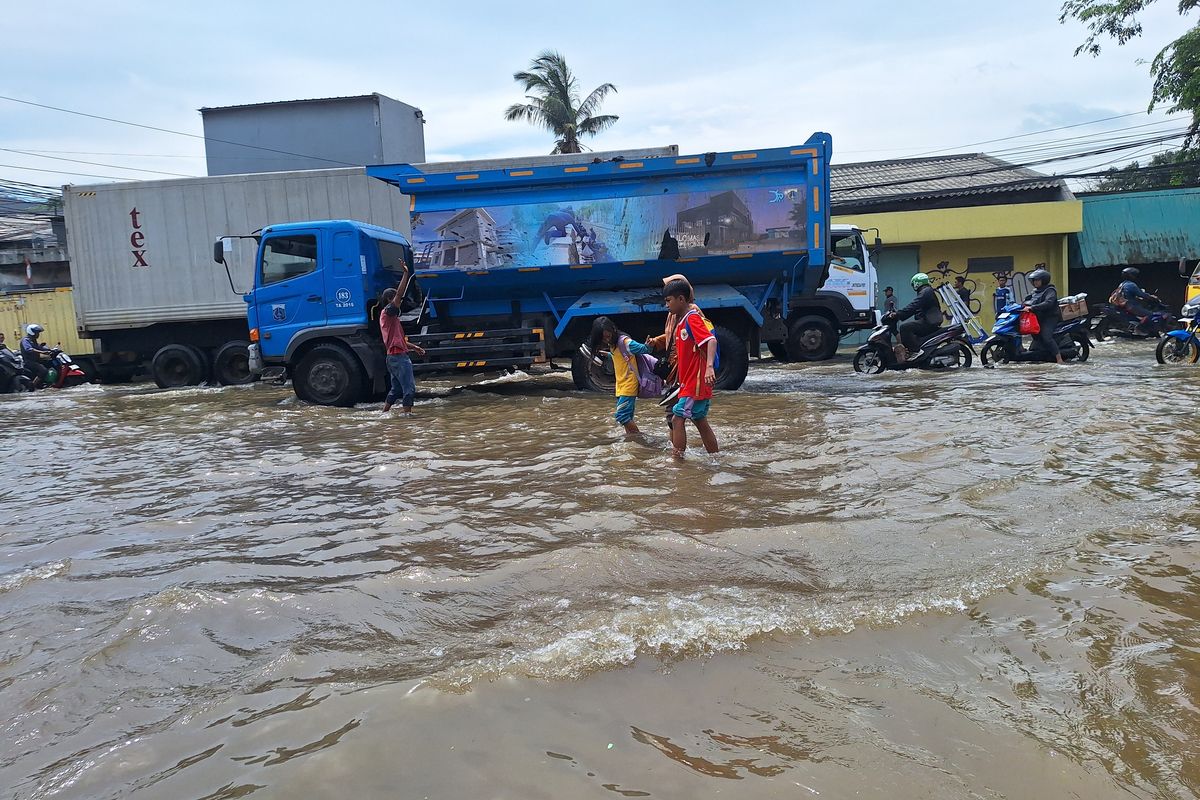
x: 1135, y: 298
x: 36, y: 354
x: 1043, y: 302
x: 920, y: 318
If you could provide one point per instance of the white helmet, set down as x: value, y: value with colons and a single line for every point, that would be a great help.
x: 33, y: 329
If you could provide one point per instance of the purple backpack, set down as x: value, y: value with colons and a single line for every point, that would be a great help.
x: 649, y: 384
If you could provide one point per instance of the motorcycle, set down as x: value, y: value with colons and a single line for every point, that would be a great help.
x: 945, y: 348
x: 1113, y: 320
x: 63, y: 371
x: 1004, y: 345
x: 1181, y: 346
x: 12, y: 373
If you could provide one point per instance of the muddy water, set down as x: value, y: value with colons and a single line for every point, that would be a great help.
x: 981, y: 585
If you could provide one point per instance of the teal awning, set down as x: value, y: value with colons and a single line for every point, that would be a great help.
x: 1138, y: 228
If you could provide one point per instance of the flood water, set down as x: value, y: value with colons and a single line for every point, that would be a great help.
x: 980, y: 585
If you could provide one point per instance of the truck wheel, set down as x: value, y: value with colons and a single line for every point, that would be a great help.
x: 589, y: 377
x: 735, y: 359
x: 329, y: 375
x: 231, y: 364
x: 779, y: 351
x: 176, y: 365
x: 811, y: 338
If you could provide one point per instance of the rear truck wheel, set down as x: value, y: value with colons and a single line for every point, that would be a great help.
x: 231, y: 364
x: 591, y: 377
x: 205, y: 362
x: 1175, y: 351
x: 993, y: 353
x: 735, y: 359
x: 1083, y: 345
x: 779, y: 351
x: 329, y: 375
x: 811, y: 338
x: 176, y: 365
x: 870, y: 360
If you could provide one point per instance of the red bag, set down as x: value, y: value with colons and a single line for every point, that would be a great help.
x: 1028, y: 324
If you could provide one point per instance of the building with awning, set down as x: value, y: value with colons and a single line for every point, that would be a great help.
x: 966, y: 214
x: 1152, y: 231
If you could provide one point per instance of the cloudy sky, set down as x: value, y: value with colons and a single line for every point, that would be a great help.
x: 887, y: 79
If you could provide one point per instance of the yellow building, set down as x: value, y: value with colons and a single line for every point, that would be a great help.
x: 964, y: 215
x: 53, y: 309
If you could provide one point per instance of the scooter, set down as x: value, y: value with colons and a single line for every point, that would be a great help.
x: 1114, y: 320
x: 1182, y: 346
x: 945, y: 348
x: 12, y: 373
x: 1004, y: 345
x: 63, y: 371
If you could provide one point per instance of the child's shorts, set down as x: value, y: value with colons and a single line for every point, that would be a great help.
x: 691, y: 408
x: 624, y: 413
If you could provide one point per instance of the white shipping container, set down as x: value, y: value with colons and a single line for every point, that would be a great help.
x: 141, y: 253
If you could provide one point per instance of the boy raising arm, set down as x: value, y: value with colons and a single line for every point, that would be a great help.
x: 397, y: 347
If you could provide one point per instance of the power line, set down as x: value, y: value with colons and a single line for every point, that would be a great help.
x: 176, y: 133
x: 65, y: 172
x: 96, y: 163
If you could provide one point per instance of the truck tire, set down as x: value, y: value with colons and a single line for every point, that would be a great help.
x: 176, y: 365
x: 735, y: 359
x: 811, y: 338
x: 779, y: 351
x: 590, y: 378
x: 231, y: 364
x: 205, y: 363
x: 329, y: 375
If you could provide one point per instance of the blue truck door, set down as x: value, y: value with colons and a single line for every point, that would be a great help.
x: 345, y: 279
x: 291, y: 288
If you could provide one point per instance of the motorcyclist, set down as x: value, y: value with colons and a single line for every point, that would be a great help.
x: 1132, y: 297
x: 36, y: 354
x: 1043, y: 302
x: 920, y: 318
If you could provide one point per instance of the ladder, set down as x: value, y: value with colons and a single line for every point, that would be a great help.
x: 960, y: 314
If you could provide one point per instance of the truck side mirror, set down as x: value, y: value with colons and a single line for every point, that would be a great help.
x: 219, y: 251
x: 1183, y: 270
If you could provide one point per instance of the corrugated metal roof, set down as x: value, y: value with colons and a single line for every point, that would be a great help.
x: 1140, y: 228
x: 958, y: 175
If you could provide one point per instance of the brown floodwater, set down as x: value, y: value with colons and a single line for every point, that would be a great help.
x: 980, y: 585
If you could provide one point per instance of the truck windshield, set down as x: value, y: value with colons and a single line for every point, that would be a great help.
x: 285, y: 257
x: 849, y: 248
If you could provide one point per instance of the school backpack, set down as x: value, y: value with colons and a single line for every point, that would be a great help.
x: 650, y: 385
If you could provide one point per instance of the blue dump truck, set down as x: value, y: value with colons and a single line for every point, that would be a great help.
x: 512, y: 265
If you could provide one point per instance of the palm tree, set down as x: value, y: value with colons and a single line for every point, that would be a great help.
x: 553, y: 95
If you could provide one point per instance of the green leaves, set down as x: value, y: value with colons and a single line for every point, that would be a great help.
x: 552, y: 95
x: 1176, y: 68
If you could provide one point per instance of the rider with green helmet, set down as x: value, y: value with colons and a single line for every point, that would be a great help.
x: 920, y: 318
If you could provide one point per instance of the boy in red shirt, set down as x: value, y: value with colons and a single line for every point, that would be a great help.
x: 397, y: 346
x: 697, y: 350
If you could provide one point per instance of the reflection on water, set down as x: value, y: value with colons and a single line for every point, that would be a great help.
x: 898, y: 586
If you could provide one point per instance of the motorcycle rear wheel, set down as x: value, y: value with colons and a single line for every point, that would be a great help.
x: 963, y: 358
x: 1173, y: 351
x: 1083, y: 345
x: 869, y: 361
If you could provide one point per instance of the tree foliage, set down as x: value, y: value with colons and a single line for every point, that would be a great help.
x: 1176, y: 68
x: 1164, y: 171
x: 552, y: 95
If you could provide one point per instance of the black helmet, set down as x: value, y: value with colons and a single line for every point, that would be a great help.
x: 1130, y: 273
x: 1039, y: 275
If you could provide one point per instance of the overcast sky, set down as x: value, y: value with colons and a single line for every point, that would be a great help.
x: 885, y: 80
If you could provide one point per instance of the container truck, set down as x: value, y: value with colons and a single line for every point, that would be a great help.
x: 514, y: 263
x: 145, y: 291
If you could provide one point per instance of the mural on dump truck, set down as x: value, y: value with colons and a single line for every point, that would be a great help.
x: 611, y: 229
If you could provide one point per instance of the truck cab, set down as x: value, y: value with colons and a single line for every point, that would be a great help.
x: 851, y: 272
x: 316, y: 285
